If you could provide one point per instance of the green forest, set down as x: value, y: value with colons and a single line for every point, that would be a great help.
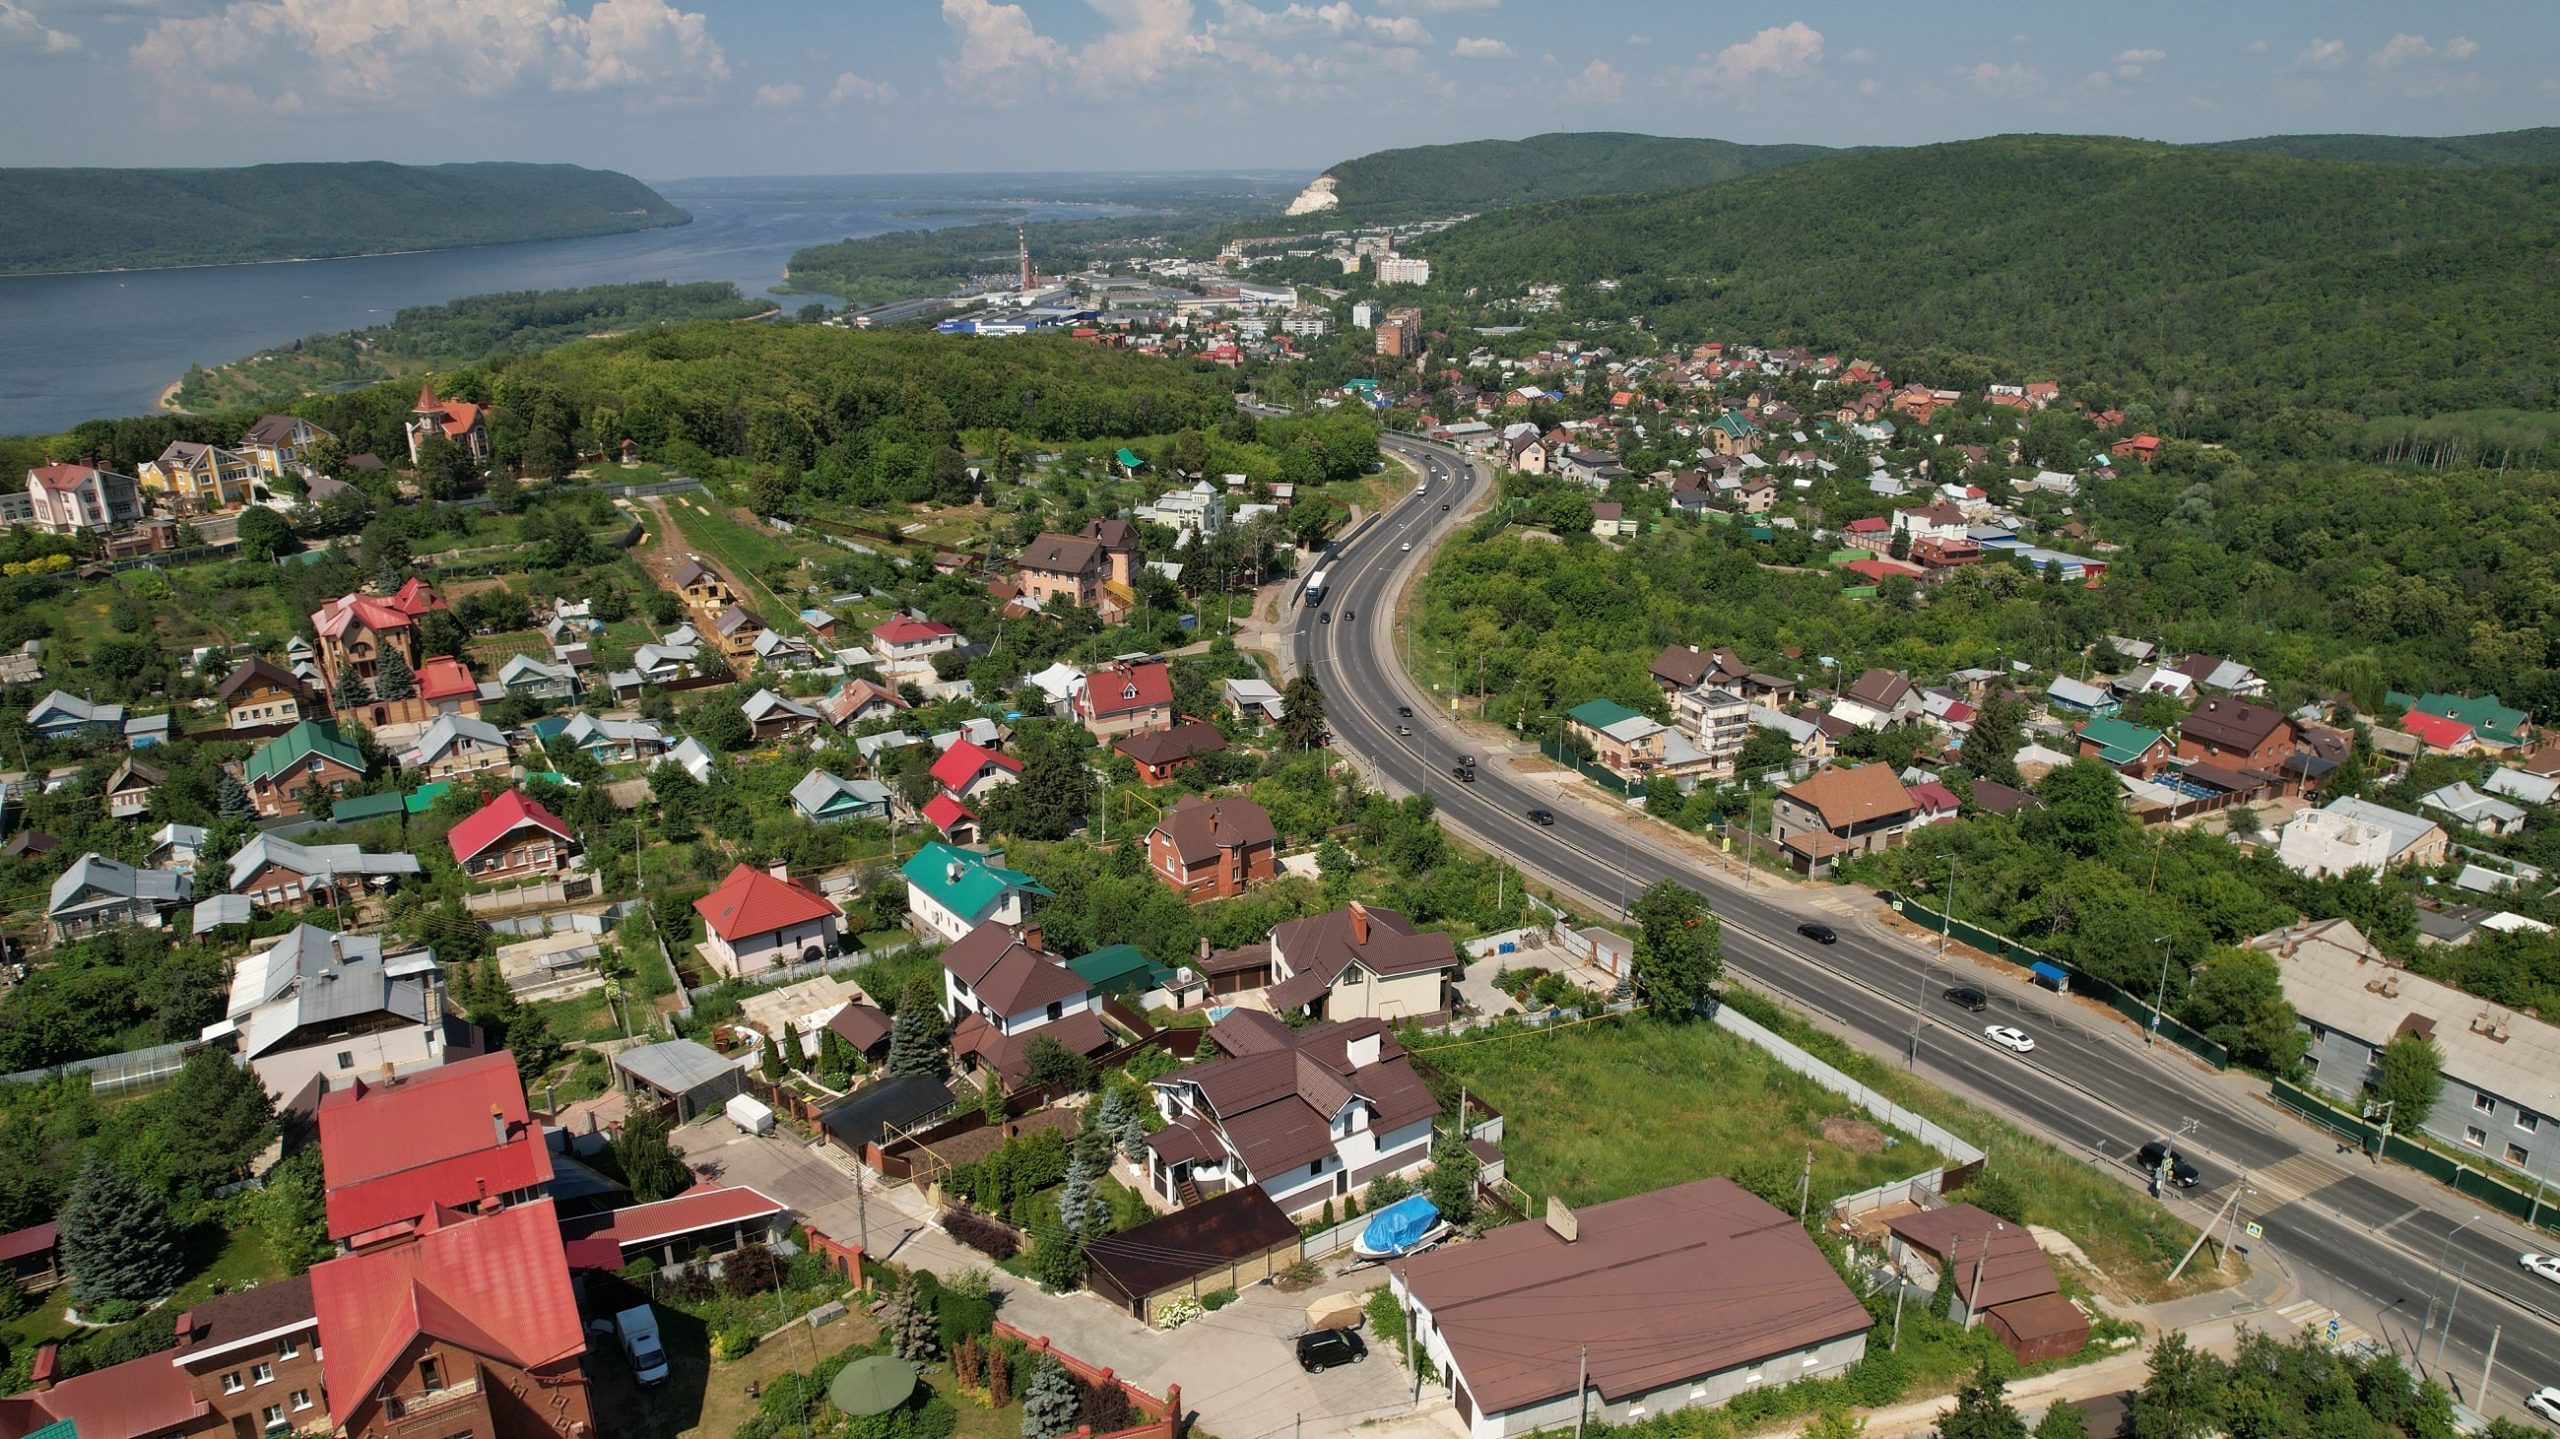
x: 1495, y: 174
x: 56, y: 220
x: 2226, y: 286
x: 460, y: 332
x: 2506, y: 147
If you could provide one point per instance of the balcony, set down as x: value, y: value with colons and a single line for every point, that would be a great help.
x: 403, y: 1407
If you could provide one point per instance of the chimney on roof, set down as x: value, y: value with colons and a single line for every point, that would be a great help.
x: 1561, y: 1220
x: 780, y: 869
x: 498, y: 1125
x: 1204, y: 949
x: 185, y: 1327
x: 1362, y: 1052
x: 1031, y: 936
x: 1359, y: 923
x: 952, y: 875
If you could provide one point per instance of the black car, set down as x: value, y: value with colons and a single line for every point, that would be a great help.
x: 1323, y: 617
x: 1404, y: 711
x: 1350, y: 615
x: 2181, y: 1173
x: 1326, y: 1348
x: 1818, y: 932
x: 1542, y: 817
x: 1444, y: 504
x: 1965, y: 996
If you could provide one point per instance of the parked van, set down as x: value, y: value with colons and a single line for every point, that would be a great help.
x: 637, y: 1327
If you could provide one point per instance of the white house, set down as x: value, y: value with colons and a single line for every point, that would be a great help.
x: 951, y: 891
x: 334, y: 1006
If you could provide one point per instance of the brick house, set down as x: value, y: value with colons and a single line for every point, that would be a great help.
x: 1307, y: 1116
x: 1078, y: 570
x: 511, y: 837
x: 281, y: 773
x: 1125, y: 697
x: 1213, y: 849
x: 355, y: 630
x: 1359, y: 961
x: 2237, y: 734
x: 260, y: 692
x: 1159, y: 753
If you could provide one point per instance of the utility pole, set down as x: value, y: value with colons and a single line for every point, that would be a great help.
x: 2452, y: 1306
x: 2160, y: 995
x: 1804, y: 1187
x: 1581, y: 1389
x: 2442, y: 1251
x: 2206, y: 1233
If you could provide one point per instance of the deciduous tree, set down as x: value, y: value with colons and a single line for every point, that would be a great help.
x: 1679, y: 951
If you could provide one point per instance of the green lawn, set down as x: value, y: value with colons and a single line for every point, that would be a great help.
x: 1606, y: 1110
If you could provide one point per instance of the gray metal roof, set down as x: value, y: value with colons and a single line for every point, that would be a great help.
x: 675, y: 1066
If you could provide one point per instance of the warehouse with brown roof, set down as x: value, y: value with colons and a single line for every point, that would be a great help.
x: 1677, y: 1299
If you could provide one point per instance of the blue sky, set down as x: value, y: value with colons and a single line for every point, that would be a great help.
x: 668, y: 89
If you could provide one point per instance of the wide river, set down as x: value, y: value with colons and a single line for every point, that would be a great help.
x: 75, y: 347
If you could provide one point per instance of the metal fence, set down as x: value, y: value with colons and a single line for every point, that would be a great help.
x: 2129, y: 1005
x: 1555, y: 750
x: 2531, y: 1206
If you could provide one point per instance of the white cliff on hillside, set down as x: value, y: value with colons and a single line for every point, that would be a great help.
x: 1317, y: 196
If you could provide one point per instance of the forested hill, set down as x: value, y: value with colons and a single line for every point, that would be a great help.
x: 2506, y: 147
x: 2239, y: 282
x: 1491, y: 174
x: 54, y: 220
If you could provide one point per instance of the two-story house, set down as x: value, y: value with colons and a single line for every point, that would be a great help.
x: 281, y: 774
x: 1055, y: 570
x: 1213, y: 849
x: 525, y: 677
x: 1632, y: 746
x: 246, y: 1363
x: 511, y: 838
x: 198, y: 479
x: 1360, y: 962
x: 772, y: 716
x: 259, y: 692
x: 951, y: 891
x: 2237, y: 734
x: 906, y: 642
x: 1879, y: 699
x: 455, y: 1136
x: 1309, y: 1116
x: 764, y: 919
x: 70, y: 499
x: 1126, y: 696
x: 281, y: 444
x: 2125, y: 747
x: 278, y: 874
x: 336, y: 1007
x: 857, y: 700
x: 1839, y: 814
x: 1001, y: 990
x: 457, y: 746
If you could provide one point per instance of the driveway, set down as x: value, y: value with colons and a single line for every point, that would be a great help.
x: 818, y: 1184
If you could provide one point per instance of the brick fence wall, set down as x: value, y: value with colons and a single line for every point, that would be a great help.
x: 1164, y: 1415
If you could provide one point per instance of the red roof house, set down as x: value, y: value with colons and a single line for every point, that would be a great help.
x: 511, y: 836
x: 475, y: 1310
x: 444, y: 679
x: 904, y: 637
x: 2436, y: 732
x: 968, y: 770
x: 758, y: 920
x: 952, y: 817
x: 1124, y: 697
x: 458, y: 1135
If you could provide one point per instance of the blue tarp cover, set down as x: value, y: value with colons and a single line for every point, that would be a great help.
x: 2052, y: 974
x: 1399, y: 1225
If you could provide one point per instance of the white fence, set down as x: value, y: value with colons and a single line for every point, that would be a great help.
x: 1918, y: 1190
x: 1876, y: 1105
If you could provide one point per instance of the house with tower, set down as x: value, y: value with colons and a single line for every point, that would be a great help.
x: 462, y: 422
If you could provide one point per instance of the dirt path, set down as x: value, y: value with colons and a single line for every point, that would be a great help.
x: 667, y: 549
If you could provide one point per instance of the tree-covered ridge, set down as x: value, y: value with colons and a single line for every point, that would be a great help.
x: 1494, y: 174
x: 459, y: 332
x: 2504, y: 147
x: 2210, y: 280
x: 104, y: 219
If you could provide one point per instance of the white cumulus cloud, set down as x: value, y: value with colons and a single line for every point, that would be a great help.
x: 392, y: 53
x: 2322, y: 55
x: 997, y: 46
x: 1637, y: 39
x: 852, y: 89
x: 2461, y: 47
x: 1443, y: 7
x: 1598, y: 84
x: 1781, y: 51
x: 2018, y: 79
x: 779, y: 97
x: 1471, y: 47
x: 20, y: 27
x: 2401, y: 49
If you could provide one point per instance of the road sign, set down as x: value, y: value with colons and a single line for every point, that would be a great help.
x: 2255, y: 1230
x: 2333, y: 1326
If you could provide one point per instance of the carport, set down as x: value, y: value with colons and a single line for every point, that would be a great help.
x: 680, y: 1072
x: 1236, y: 1239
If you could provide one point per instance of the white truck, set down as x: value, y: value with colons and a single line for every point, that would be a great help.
x: 637, y: 1327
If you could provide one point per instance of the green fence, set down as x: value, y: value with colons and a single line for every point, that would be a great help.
x: 1555, y: 750
x: 2478, y: 1184
x: 2131, y: 1007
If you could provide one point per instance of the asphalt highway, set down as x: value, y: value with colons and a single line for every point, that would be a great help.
x: 2360, y: 1246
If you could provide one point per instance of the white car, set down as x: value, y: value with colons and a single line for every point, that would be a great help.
x: 2546, y: 1265
x: 1407, y: 546
x: 2545, y: 1401
x: 2008, y: 1038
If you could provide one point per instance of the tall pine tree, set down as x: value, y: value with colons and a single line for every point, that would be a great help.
x: 116, y: 1240
x: 349, y: 693
x: 394, y: 680
x: 917, y: 1042
x: 1049, y: 1401
x: 231, y: 798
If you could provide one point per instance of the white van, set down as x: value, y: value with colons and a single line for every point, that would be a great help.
x: 637, y: 1327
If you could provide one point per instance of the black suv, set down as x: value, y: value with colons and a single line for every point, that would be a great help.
x: 1542, y: 817
x: 2181, y: 1173
x: 1818, y: 932
x: 1965, y: 996
x: 1326, y: 1348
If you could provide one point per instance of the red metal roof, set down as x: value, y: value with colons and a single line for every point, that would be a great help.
x: 445, y: 677
x: 141, y: 1396
x: 903, y: 630
x: 495, y: 1284
x: 390, y: 1152
x: 2436, y: 730
x: 961, y: 764
x: 34, y: 1239
x: 943, y: 812
x: 751, y: 901
x: 704, y: 1206
x: 499, y: 818
x: 1118, y: 689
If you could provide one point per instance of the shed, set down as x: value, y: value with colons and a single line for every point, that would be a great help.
x: 32, y: 1257
x: 1235, y: 1239
x: 1116, y: 969
x: 2048, y: 1326
x: 892, y: 1105
x: 702, y: 1222
x: 693, y: 1078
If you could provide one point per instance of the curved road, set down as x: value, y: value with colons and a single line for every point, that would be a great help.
x: 2363, y: 1247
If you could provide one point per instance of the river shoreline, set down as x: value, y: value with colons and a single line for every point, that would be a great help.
x: 350, y: 255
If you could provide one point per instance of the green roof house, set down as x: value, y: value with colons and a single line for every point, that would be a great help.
x: 1129, y: 460
x: 2121, y: 744
x: 311, y: 753
x: 2492, y: 722
x: 1116, y: 969
x: 951, y: 891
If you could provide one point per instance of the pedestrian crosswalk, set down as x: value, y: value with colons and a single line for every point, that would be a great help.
x: 2320, y: 1319
x: 2282, y: 1184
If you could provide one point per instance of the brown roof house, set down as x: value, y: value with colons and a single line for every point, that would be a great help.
x: 2001, y: 1277
x: 1879, y: 699
x: 2234, y: 732
x: 1002, y: 991
x: 259, y: 692
x: 1058, y: 570
x: 1358, y: 961
x: 1213, y: 849
x: 1305, y: 1115
x: 1158, y: 753
x: 1678, y: 1299
x: 1840, y: 814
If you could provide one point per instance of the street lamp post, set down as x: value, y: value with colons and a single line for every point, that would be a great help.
x: 2159, y: 996
x: 1946, y: 935
x: 2443, y: 1252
